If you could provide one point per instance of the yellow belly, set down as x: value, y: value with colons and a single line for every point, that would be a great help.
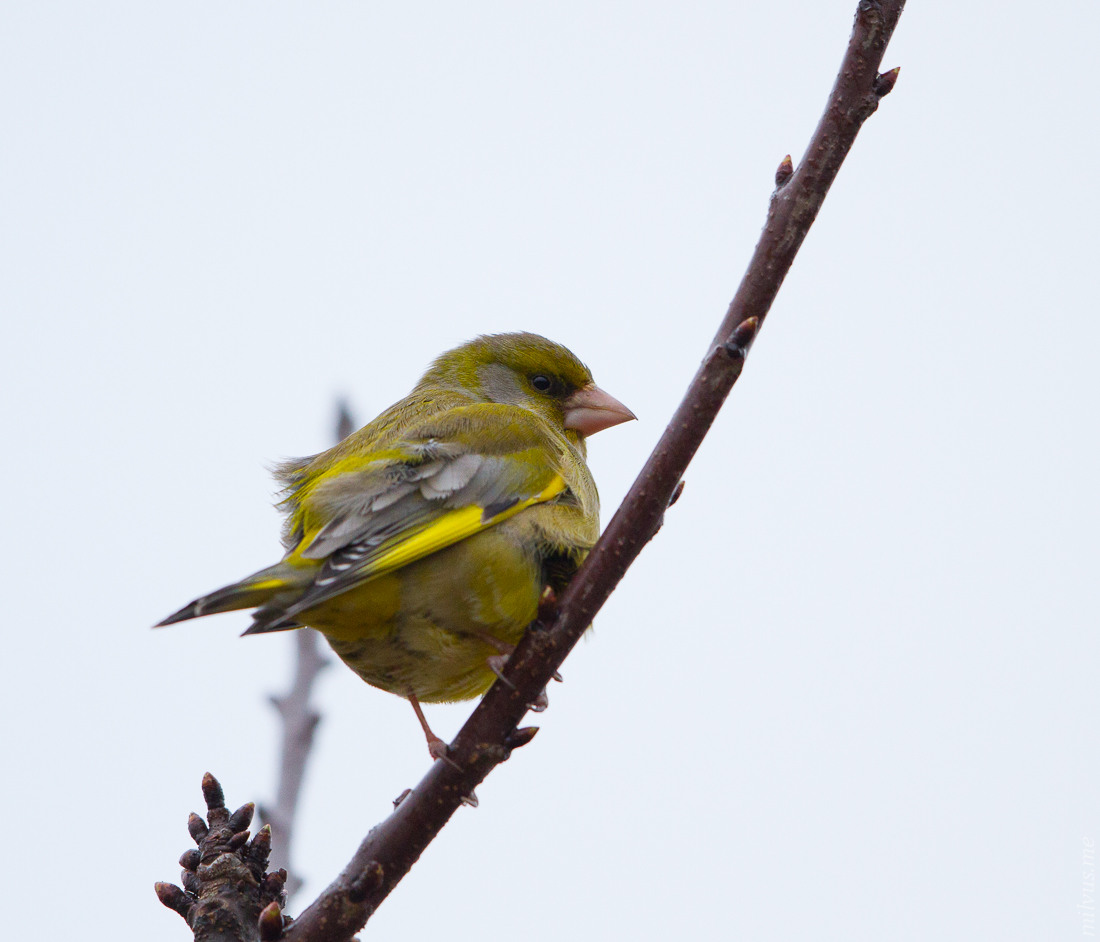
x: 427, y: 628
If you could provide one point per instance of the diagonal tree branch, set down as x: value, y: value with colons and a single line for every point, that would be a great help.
x: 490, y: 734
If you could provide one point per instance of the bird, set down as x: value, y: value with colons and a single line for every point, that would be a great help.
x: 420, y: 545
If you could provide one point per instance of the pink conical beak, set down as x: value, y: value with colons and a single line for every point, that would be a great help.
x: 591, y: 410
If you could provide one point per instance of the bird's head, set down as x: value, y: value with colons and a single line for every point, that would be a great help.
x: 532, y: 372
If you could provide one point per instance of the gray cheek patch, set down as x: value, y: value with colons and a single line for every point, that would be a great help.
x: 500, y: 384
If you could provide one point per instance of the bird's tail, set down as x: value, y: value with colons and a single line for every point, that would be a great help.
x: 273, y: 584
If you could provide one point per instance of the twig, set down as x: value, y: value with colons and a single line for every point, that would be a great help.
x: 489, y: 736
x: 299, y: 723
x: 227, y: 895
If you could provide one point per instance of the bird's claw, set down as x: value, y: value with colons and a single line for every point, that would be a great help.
x: 496, y: 665
x: 540, y: 703
x: 437, y: 749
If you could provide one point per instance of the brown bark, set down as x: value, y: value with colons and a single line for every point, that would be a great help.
x: 227, y: 895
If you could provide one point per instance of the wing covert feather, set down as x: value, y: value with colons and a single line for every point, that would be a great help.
x: 379, y: 513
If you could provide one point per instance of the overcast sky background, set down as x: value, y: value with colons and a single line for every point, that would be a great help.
x: 850, y: 692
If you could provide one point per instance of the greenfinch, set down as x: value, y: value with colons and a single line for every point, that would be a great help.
x: 420, y: 545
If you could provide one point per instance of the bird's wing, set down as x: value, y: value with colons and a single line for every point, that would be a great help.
x: 446, y: 481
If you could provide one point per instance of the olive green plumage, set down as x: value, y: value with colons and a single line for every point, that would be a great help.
x: 420, y: 545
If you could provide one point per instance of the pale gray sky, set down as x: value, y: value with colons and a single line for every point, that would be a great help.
x: 850, y: 692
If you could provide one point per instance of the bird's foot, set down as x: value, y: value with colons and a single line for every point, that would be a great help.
x: 540, y: 703
x: 496, y: 665
x: 437, y: 749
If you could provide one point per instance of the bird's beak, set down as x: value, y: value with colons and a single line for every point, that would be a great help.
x: 591, y: 410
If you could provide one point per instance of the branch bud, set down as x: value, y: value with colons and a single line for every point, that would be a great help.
x: 743, y: 335
x: 242, y: 817
x: 274, y: 883
x: 173, y: 897
x: 196, y: 827
x: 212, y: 792
x: 190, y: 859
x: 783, y: 172
x: 260, y: 848
x: 676, y: 492
x: 884, y: 83
x: 270, y: 922
x: 520, y: 737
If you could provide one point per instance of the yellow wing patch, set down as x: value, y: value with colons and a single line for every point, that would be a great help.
x: 450, y: 528
x: 268, y: 584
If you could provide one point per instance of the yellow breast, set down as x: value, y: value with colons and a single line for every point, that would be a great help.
x: 428, y: 628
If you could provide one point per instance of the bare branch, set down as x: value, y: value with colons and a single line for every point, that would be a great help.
x: 227, y: 896
x: 299, y: 723
x: 490, y: 734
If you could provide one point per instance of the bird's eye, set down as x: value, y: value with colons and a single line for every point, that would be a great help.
x: 541, y: 383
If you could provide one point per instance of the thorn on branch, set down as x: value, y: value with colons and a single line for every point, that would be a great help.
x: 884, y: 83
x: 783, y: 172
x: 400, y: 798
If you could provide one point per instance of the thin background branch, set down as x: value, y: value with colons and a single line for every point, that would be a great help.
x: 299, y: 721
x: 490, y: 734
